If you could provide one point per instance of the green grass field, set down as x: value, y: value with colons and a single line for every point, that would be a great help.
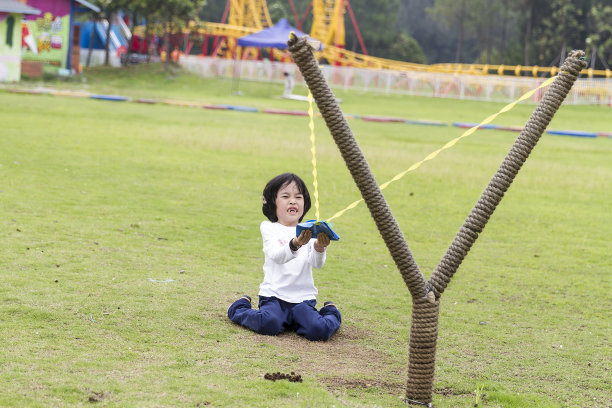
x: 128, y: 230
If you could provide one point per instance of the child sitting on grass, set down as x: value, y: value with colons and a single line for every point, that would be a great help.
x: 287, y: 295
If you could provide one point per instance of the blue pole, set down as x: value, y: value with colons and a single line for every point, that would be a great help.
x: 71, y: 22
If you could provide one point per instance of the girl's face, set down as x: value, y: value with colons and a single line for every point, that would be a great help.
x: 289, y: 205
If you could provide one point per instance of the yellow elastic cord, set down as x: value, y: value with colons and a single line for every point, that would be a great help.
x: 314, y: 156
x: 450, y: 144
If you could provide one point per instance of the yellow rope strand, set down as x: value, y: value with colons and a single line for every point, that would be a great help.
x: 449, y: 144
x: 314, y: 156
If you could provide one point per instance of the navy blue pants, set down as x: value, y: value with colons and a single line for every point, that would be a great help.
x: 275, y: 316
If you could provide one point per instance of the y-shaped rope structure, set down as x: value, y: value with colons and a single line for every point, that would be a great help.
x: 426, y: 294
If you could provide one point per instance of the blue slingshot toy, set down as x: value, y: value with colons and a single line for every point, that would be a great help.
x: 316, y: 227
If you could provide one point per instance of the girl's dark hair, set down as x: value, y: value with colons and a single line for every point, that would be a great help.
x: 271, y: 191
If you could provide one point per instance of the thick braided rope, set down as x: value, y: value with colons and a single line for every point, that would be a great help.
x: 423, y: 338
x: 499, y: 184
x: 360, y: 170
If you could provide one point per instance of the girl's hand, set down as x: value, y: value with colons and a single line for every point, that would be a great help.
x: 322, y: 242
x: 302, y: 239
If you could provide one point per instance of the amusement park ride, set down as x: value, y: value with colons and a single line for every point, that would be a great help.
x: 243, y: 17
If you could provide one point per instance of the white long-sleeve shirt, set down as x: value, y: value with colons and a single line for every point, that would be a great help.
x: 288, y: 274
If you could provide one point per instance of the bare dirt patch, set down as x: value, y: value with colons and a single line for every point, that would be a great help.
x: 340, y: 360
x: 392, y: 387
x: 449, y: 391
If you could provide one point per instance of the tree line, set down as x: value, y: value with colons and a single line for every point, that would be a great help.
x: 527, y: 32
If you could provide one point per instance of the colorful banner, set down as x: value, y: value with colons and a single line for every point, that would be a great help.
x: 46, y: 37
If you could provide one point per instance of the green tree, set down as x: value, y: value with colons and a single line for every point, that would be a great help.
x: 482, y: 22
x: 438, y: 43
x: 212, y: 10
x: 406, y: 48
x: 599, y: 39
x: 377, y: 23
x: 560, y: 31
x: 452, y: 13
x: 109, y: 9
x: 531, y: 13
x: 493, y: 25
x: 173, y: 15
x: 279, y: 9
x: 139, y: 8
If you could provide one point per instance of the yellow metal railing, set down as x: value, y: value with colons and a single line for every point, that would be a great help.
x: 349, y: 58
x: 227, y: 30
x: 518, y: 70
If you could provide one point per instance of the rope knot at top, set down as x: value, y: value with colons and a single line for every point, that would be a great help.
x: 574, y: 63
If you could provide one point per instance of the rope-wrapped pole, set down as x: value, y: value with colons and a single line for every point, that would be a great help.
x: 358, y: 166
x: 422, y: 350
x: 512, y: 163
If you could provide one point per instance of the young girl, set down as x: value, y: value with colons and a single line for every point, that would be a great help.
x: 287, y: 295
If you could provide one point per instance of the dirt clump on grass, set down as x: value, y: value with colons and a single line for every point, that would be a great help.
x: 293, y: 377
x: 98, y: 396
